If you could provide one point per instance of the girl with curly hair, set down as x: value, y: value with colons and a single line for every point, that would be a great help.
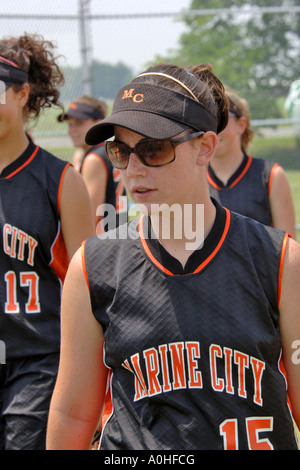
x: 45, y: 214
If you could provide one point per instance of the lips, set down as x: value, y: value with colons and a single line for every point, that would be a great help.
x: 141, y: 191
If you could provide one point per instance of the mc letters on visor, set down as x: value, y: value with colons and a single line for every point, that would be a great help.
x: 137, y: 98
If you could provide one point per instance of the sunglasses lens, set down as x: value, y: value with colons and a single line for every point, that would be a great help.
x: 155, y: 152
x: 118, y: 154
x: 150, y: 153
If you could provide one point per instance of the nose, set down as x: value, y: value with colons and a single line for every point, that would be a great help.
x: 135, y: 166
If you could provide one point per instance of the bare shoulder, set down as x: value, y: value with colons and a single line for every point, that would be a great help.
x: 290, y: 291
x: 291, y: 265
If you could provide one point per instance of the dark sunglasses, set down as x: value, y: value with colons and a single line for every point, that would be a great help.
x: 150, y: 152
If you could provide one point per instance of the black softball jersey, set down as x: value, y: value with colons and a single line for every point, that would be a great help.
x: 247, y: 190
x: 194, y: 353
x: 33, y: 256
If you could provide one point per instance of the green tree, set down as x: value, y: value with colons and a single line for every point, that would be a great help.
x: 107, y: 78
x: 258, y: 55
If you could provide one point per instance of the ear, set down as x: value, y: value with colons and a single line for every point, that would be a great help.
x: 207, y: 146
x: 242, y: 124
x: 23, y: 95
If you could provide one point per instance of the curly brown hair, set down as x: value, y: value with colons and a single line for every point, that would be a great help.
x: 35, y: 55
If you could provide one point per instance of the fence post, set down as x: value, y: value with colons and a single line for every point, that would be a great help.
x: 85, y: 47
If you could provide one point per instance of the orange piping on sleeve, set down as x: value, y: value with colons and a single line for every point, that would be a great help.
x: 83, y: 263
x: 108, y: 405
x: 271, y: 177
x: 283, y: 250
x: 60, y: 186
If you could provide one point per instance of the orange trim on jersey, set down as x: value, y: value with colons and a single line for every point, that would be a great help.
x: 24, y: 164
x: 60, y: 258
x: 271, y: 177
x: 108, y: 404
x: 281, y: 368
x: 148, y: 252
x: 202, y: 265
x: 283, y: 250
x: 227, y: 225
x: 243, y: 173
x: 212, y: 183
x: 83, y: 263
x: 60, y: 186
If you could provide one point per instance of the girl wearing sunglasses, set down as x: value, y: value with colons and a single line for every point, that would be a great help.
x: 178, y: 347
x: 45, y: 214
x: 250, y: 186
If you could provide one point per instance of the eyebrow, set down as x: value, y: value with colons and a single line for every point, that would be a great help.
x: 119, y: 141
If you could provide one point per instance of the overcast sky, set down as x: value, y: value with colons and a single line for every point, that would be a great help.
x: 132, y: 41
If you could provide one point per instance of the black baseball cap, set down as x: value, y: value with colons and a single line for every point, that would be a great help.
x: 153, y: 111
x: 81, y: 112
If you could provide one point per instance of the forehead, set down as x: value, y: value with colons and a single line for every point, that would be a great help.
x: 126, y: 135
x: 79, y: 122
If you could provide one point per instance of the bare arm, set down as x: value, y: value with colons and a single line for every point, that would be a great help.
x: 79, y: 393
x: 95, y: 175
x: 281, y: 201
x: 290, y: 323
x: 75, y: 211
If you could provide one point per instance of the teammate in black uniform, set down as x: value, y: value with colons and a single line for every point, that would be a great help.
x: 250, y: 186
x: 45, y: 214
x: 104, y: 182
x: 199, y: 341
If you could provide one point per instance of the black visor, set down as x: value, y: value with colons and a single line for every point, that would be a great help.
x: 81, y: 112
x: 10, y: 75
x: 153, y: 111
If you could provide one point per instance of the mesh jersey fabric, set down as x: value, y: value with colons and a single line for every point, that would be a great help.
x: 194, y: 356
x: 34, y: 258
x: 247, y: 190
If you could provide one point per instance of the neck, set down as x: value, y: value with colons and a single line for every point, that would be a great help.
x: 224, y: 166
x: 11, y: 147
x: 183, y: 229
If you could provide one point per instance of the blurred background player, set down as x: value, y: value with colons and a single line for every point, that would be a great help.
x: 103, y: 182
x: 250, y: 186
x: 45, y: 214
